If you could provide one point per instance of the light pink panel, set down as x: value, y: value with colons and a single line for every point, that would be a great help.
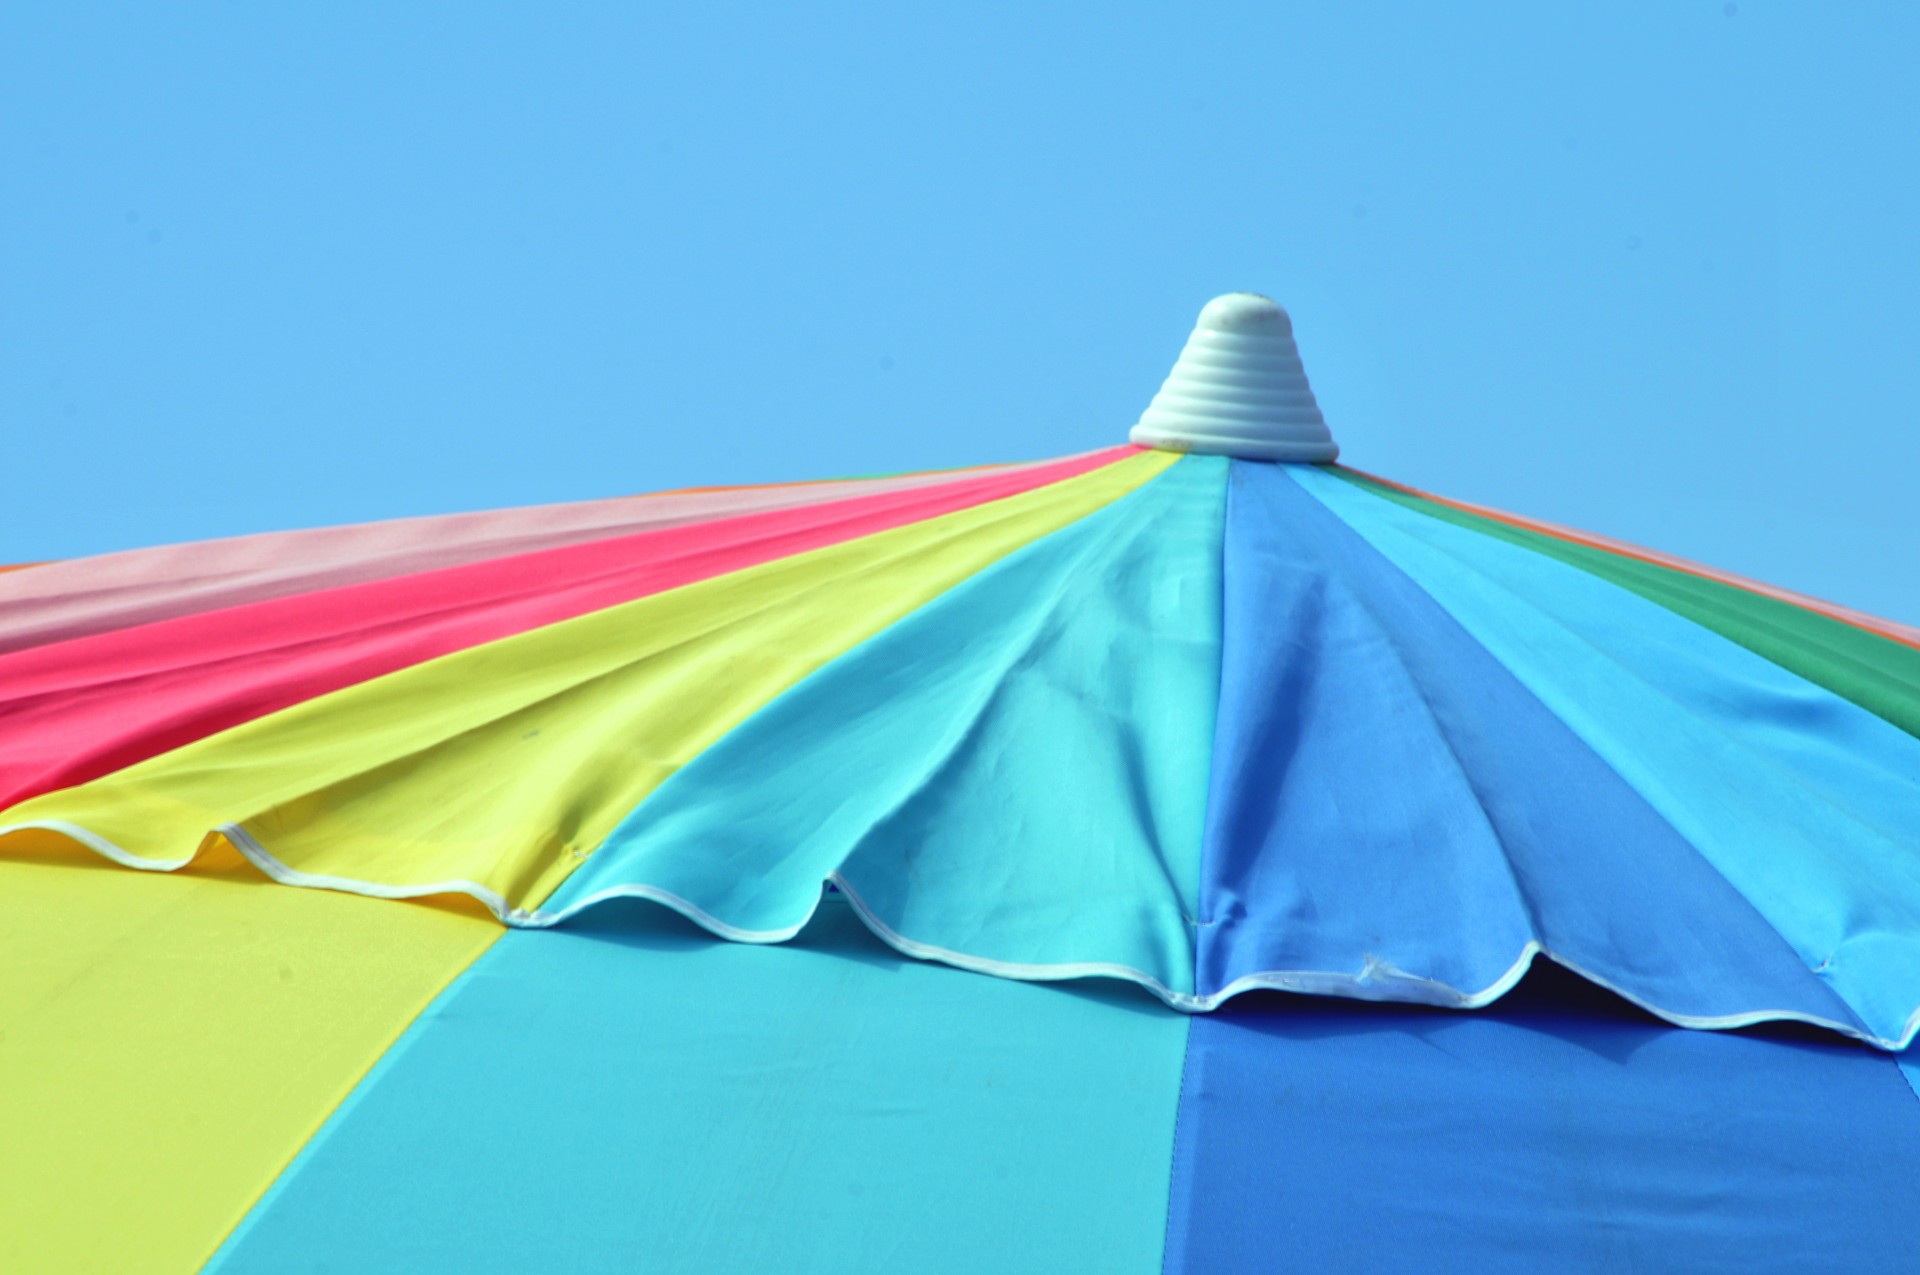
x: 58, y: 601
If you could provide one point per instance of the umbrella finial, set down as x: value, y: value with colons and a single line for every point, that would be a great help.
x: 1238, y: 389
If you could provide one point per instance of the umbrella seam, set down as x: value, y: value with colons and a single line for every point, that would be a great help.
x: 1306, y: 982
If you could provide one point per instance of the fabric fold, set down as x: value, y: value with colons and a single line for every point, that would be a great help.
x: 1010, y: 779
x: 1205, y: 726
x: 1807, y: 804
x: 496, y: 771
x: 81, y: 709
x: 1394, y: 816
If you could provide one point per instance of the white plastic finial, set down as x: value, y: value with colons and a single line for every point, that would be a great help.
x: 1238, y: 389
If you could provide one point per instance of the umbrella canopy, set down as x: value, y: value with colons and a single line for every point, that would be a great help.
x: 1184, y: 728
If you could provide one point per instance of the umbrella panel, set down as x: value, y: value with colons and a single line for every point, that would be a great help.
x: 1025, y: 1094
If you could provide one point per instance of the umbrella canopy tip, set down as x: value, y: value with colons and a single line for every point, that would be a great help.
x: 1238, y: 389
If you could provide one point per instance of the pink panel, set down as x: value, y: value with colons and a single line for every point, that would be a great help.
x: 59, y: 601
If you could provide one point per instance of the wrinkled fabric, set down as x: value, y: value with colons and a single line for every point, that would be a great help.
x: 1000, y: 712
x: 1203, y: 725
x: 1394, y: 816
x: 82, y: 709
x: 1806, y: 803
x: 495, y: 771
x: 1012, y: 776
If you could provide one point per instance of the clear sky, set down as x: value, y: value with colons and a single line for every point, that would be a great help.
x: 1646, y: 269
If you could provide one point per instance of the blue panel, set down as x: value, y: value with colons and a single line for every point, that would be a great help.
x: 1807, y: 804
x: 631, y: 1094
x: 1534, y: 1137
x: 1013, y: 777
x: 1394, y: 815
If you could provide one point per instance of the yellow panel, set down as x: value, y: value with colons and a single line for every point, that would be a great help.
x: 499, y: 768
x: 169, y: 1041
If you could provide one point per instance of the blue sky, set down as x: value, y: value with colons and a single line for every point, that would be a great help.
x: 1646, y: 269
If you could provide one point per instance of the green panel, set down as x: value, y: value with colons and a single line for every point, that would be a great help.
x: 1880, y: 675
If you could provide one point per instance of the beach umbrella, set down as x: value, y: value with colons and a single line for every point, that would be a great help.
x: 1130, y: 861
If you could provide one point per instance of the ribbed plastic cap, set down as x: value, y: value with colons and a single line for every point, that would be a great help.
x: 1238, y: 389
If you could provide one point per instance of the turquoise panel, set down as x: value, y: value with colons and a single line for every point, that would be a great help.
x: 1013, y: 777
x: 628, y: 1093
x: 1807, y: 804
